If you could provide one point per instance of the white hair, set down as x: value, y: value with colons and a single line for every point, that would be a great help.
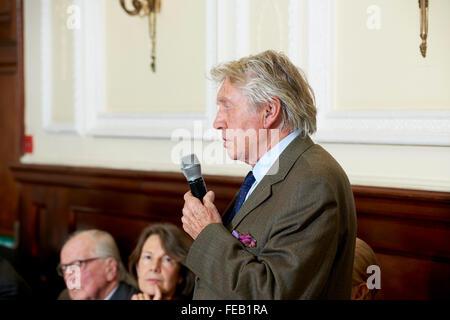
x: 271, y: 74
x: 105, y: 247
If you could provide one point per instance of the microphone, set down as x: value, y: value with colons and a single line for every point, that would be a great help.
x: 193, y: 173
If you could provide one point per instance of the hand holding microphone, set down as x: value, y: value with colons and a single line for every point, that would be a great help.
x: 199, y: 209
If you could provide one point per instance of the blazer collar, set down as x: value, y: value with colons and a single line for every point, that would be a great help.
x: 276, y: 173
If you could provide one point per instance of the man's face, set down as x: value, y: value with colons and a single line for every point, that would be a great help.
x: 93, y: 282
x: 240, y: 124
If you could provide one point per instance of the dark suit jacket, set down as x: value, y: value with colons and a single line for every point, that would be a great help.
x: 123, y: 292
x: 304, y: 222
x: 12, y: 285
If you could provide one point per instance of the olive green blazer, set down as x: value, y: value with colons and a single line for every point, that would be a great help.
x: 304, y: 222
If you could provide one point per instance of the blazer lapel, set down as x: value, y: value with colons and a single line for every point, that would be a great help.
x: 279, y: 171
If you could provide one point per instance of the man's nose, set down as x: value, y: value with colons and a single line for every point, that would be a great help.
x: 219, y: 121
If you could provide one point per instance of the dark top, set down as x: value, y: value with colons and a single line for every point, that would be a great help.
x: 124, y: 292
x: 12, y: 285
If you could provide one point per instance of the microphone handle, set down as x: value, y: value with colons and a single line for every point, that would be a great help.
x: 198, y: 188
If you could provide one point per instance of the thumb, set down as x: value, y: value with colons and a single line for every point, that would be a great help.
x: 209, y: 197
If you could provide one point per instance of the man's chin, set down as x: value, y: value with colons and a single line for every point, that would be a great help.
x: 232, y: 154
x: 77, y: 294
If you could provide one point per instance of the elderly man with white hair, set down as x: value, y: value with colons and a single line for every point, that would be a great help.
x: 92, y: 268
x: 290, y: 231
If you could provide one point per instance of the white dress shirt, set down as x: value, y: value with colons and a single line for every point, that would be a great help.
x: 263, y: 165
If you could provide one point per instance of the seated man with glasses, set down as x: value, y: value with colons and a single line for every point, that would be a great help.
x: 92, y: 268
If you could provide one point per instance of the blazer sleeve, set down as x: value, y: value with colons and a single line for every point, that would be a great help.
x: 294, y: 263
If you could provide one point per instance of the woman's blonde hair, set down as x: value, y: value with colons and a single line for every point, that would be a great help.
x: 271, y: 74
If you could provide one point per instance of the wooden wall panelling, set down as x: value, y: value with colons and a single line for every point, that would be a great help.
x: 8, y: 23
x: 11, y: 108
x: 5, y: 9
x: 119, y: 201
x: 409, y: 230
x: 408, y: 277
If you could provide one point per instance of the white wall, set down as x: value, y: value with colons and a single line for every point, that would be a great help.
x: 381, y: 68
x: 102, y: 106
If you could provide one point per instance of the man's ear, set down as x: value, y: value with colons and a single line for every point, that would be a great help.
x: 272, y: 113
x: 361, y: 291
x: 111, y: 269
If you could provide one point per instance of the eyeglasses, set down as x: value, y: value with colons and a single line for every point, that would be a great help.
x: 62, y: 268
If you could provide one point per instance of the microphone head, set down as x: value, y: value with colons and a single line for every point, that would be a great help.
x: 191, y: 167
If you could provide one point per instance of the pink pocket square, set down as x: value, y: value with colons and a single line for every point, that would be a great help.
x: 246, y: 239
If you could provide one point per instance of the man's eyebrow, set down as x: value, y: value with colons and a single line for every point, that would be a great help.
x: 223, y: 99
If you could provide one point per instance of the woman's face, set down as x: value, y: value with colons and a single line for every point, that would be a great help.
x: 156, y: 268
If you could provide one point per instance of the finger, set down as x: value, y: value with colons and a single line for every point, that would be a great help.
x: 158, y: 293
x: 191, y: 201
x: 134, y: 297
x: 187, y: 195
x: 209, y: 204
x: 192, y: 217
x: 186, y: 212
x: 209, y: 197
x: 185, y: 221
x: 147, y: 296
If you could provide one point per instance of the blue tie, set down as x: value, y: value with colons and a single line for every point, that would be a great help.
x: 245, y: 187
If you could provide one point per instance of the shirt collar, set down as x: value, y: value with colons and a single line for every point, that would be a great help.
x: 111, y: 293
x: 268, y: 159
